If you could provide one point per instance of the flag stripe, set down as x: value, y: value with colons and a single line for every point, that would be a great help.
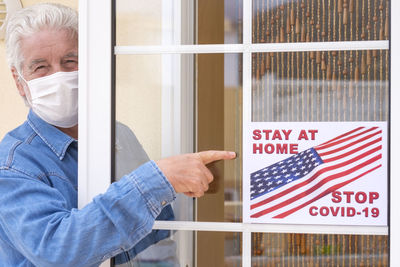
x: 317, y: 174
x: 344, y: 140
x: 318, y: 185
x: 322, y: 154
x: 343, y: 135
x: 353, y: 151
x: 329, y: 190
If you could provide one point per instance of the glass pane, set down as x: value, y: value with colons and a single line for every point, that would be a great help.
x: 219, y: 113
x: 318, y: 250
x: 157, y: 22
x: 214, y: 249
x: 321, y: 86
x: 318, y: 21
x: 142, y: 80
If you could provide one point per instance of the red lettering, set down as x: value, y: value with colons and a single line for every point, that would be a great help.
x: 334, y: 211
x: 269, y: 148
x: 342, y: 213
x: 303, y: 135
x: 257, y: 147
x: 312, y: 211
x: 348, y: 195
x: 373, y: 196
x: 281, y: 149
x: 350, y: 212
x: 286, y: 133
x: 256, y: 135
x: 324, y: 211
x: 294, y: 148
x: 336, y: 198
x: 313, y: 132
x: 267, y: 132
x: 361, y: 197
x: 277, y: 135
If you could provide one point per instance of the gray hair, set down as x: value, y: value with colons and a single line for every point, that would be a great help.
x: 33, y: 19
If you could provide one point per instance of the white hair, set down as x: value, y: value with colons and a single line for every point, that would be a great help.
x: 30, y: 20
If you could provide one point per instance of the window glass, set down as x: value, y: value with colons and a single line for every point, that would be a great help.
x: 321, y: 86
x: 140, y: 86
x: 176, y: 249
x: 157, y: 22
x: 277, y: 249
x: 318, y: 21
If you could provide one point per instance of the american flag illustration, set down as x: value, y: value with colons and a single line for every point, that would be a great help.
x: 285, y: 187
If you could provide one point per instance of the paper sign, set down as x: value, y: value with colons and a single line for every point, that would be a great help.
x: 315, y: 173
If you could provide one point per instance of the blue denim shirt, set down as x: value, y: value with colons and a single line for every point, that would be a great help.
x: 40, y: 224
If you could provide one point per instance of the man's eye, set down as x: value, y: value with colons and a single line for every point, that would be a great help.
x: 39, y: 67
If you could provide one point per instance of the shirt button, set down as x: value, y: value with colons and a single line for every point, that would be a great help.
x: 164, y: 202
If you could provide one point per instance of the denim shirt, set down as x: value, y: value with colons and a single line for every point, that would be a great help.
x: 40, y: 224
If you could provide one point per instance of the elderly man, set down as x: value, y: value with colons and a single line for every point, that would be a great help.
x: 40, y: 224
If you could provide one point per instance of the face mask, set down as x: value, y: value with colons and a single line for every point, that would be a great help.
x: 54, y: 98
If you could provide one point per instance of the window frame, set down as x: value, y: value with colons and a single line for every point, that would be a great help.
x: 96, y: 114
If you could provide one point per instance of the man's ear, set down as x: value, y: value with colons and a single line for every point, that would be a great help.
x: 18, y: 81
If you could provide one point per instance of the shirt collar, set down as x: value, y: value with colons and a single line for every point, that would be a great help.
x: 56, y: 140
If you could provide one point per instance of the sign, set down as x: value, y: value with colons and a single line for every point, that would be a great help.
x: 315, y: 173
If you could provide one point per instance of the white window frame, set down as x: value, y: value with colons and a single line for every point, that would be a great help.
x: 94, y: 169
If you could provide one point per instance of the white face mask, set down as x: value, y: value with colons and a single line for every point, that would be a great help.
x: 54, y: 98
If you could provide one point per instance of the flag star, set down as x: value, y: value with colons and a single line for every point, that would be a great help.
x: 256, y: 175
x: 313, y: 159
x: 289, y: 180
x: 274, y: 172
x: 291, y: 164
x: 316, y: 164
x: 280, y: 163
x: 279, y: 182
x: 307, y: 161
x: 287, y: 175
x: 260, y: 185
x: 273, y: 168
x: 269, y: 183
x: 305, y: 172
x: 284, y: 171
x: 271, y: 189
x: 303, y: 167
x: 297, y: 174
x: 265, y: 174
x: 278, y: 176
x: 262, y: 190
x: 289, y: 160
x: 293, y: 169
x: 257, y: 180
x: 297, y: 158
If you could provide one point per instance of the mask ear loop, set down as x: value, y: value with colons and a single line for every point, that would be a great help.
x: 26, y: 99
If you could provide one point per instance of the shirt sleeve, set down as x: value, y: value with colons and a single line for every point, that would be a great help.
x: 36, y: 220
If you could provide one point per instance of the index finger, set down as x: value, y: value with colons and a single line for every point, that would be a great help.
x: 214, y: 155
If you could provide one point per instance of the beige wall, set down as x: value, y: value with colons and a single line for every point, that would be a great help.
x: 138, y: 95
x: 12, y: 108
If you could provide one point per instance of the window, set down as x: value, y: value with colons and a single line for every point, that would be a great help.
x: 218, y: 65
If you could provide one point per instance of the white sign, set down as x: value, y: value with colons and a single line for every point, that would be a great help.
x: 315, y: 173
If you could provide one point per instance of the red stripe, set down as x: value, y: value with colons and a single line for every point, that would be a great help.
x: 343, y: 135
x: 329, y: 190
x: 348, y: 145
x: 312, y: 178
x: 315, y: 187
x: 344, y: 140
x: 355, y: 150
